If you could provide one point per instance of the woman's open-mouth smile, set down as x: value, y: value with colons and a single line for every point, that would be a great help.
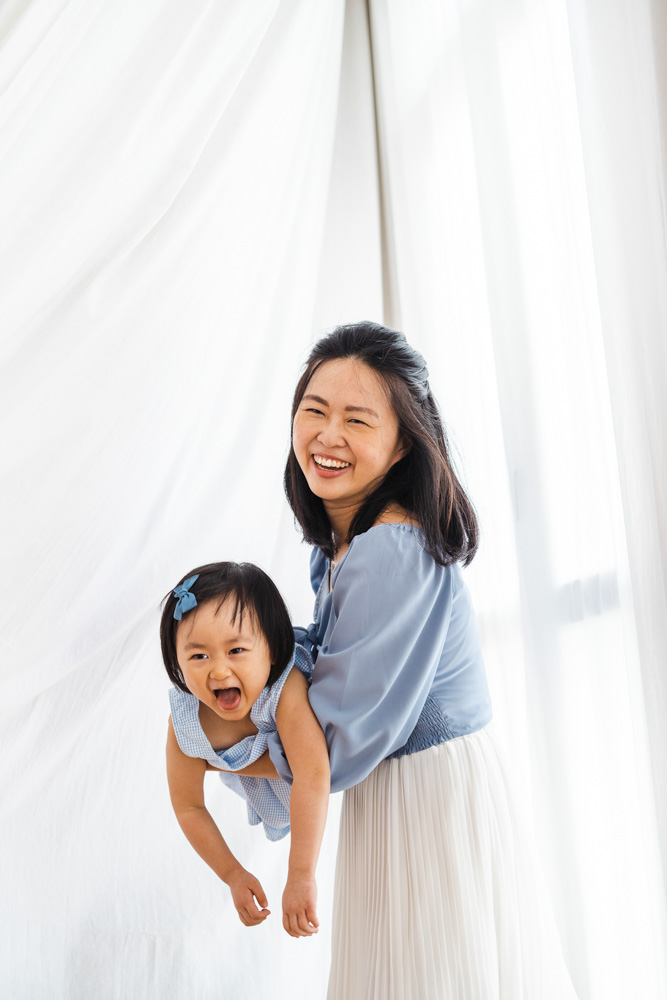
x: 329, y: 467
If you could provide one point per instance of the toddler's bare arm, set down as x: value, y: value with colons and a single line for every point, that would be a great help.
x: 306, y: 751
x: 186, y: 789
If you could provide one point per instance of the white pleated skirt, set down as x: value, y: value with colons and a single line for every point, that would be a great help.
x: 438, y: 893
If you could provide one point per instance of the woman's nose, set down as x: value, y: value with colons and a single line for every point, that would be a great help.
x: 331, y: 435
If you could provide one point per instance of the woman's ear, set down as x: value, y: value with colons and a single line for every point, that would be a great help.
x: 405, y: 445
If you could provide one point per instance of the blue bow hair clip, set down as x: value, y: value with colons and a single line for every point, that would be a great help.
x: 186, y: 600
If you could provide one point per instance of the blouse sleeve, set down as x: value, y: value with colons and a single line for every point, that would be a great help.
x: 375, y: 669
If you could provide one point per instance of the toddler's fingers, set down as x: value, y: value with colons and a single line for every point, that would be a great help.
x: 303, y: 924
x: 261, y: 898
x: 298, y: 925
x: 253, y: 919
x: 259, y: 894
x: 252, y: 909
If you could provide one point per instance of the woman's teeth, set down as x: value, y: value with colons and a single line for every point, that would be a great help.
x: 329, y: 463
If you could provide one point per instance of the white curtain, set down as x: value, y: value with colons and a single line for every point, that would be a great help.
x: 165, y: 189
x: 191, y: 193
x: 525, y: 235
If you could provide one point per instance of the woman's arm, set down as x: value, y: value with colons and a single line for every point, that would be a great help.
x: 306, y: 751
x: 393, y: 606
x: 185, y: 776
x: 260, y: 768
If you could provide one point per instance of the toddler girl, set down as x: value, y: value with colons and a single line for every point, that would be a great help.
x: 228, y: 646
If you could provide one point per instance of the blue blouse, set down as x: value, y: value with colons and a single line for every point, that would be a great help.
x: 399, y: 665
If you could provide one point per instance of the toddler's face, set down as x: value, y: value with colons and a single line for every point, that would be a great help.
x: 224, y: 664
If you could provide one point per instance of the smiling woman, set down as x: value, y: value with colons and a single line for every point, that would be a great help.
x: 373, y: 408
x: 437, y: 894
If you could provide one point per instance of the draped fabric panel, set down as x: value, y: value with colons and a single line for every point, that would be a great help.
x: 192, y: 193
x: 524, y: 204
x: 623, y: 111
x: 165, y: 190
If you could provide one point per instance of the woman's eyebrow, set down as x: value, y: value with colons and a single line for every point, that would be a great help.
x: 348, y: 409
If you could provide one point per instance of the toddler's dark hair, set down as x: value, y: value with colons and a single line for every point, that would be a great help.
x: 253, y: 592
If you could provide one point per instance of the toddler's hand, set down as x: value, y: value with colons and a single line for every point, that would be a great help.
x: 299, y: 907
x: 244, y: 887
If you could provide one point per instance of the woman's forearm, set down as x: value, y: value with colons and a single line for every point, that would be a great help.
x: 261, y: 768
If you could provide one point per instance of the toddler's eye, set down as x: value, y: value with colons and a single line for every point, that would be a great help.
x: 237, y: 649
x: 197, y: 656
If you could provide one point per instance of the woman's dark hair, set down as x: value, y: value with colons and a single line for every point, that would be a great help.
x: 423, y: 481
x: 252, y: 592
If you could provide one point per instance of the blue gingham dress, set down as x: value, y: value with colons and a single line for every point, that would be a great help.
x: 267, y: 800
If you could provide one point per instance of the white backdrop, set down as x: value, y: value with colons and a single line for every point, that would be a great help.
x: 191, y: 193
x: 165, y: 189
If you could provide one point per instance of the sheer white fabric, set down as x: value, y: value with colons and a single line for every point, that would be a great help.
x: 190, y: 193
x: 165, y: 187
x: 525, y: 208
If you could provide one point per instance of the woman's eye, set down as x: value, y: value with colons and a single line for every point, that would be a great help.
x: 354, y: 420
x: 311, y: 409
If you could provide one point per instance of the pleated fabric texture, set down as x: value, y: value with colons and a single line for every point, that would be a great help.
x: 438, y: 892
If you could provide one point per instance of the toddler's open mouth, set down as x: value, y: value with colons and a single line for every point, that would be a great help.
x: 228, y: 698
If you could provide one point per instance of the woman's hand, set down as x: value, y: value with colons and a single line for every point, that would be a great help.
x: 245, y: 889
x: 299, y: 906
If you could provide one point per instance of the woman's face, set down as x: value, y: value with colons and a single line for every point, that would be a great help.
x: 345, y: 433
